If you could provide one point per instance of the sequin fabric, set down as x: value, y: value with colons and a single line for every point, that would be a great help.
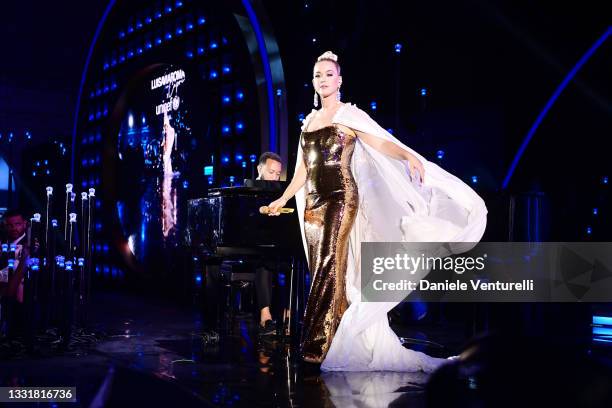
x: 331, y: 207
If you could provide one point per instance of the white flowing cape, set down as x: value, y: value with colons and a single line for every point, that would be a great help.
x: 392, y: 208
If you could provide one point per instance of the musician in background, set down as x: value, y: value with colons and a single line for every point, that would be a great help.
x: 269, y: 168
x: 14, y: 224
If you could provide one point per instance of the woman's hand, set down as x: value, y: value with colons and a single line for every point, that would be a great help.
x: 415, y: 165
x: 274, y: 206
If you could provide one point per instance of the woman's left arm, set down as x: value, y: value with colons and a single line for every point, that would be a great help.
x: 392, y: 150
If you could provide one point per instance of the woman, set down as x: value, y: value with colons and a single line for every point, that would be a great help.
x: 355, y: 182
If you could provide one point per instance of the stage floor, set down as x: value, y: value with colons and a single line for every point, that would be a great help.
x: 153, y: 354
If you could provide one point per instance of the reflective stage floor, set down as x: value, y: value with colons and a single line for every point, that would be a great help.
x: 155, y: 354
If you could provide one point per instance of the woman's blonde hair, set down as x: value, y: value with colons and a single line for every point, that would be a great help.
x: 330, y: 56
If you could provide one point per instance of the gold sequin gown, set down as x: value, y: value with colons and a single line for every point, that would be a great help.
x: 331, y: 208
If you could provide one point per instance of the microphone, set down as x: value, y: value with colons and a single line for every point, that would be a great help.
x: 283, y: 210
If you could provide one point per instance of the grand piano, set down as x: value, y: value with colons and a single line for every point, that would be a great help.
x: 226, y: 227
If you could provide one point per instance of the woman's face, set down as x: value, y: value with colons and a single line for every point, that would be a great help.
x: 325, y: 78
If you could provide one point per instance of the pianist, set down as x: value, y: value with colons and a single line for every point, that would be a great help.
x: 269, y: 171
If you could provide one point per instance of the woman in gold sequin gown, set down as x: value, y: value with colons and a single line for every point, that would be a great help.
x: 331, y: 206
x: 354, y: 182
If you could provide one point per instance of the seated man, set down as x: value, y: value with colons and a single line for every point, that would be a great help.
x: 269, y: 169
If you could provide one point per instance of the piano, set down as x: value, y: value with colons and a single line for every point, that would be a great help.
x: 226, y: 228
x: 227, y: 223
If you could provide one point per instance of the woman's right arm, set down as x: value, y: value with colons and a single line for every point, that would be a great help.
x: 299, y: 178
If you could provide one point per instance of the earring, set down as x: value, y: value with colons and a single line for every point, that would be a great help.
x: 316, y: 100
x: 338, y: 95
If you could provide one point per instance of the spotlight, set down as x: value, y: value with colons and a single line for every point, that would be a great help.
x: 595, y: 211
x: 239, y: 95
x: 373, y: 105
x: 474, y: 179
x: 252, y: 158
x: 423, y: 92
x: 398, y: 48
x: 440, y: 154
x: 589, y: 230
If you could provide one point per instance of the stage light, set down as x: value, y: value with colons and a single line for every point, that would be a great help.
x: 138, y: 24
x: 213, y: 45
x: 130, y: 54
x: 179, y: 31
x: 398, y: 48
x: 198, y: 278
x: 48, y: 172
x: 168, y: 36
x: 33, y: 174
x: 239, y: 157
x: 226, y: 99
x: 252, y: 158
x: 224, y: 41
x: 113, y: 62
x: 130, y: 29
x: 373, y: 105
x: 239, y: 125
x: 210, y: 181
x: 589, y: 230
x: 148, y: 20
x: 168, y: 9
x: 189, y: 26
x: 139, y: 50
x: 604, y: 180
x: 106, y: 65
x: 440, y: 154
x: 390, y: 130
x: 232, y: 179
x: 314, y: 40
x: 144, y: 119
x: 300, y: 117
x: 201, y: 20
x: 185, y: 184
x: 225, y: 159
x: 105, y: 90
x: 226, y: 69
x: 121, y: 34
x: 131, y: 121
x: 189, y: 54
x: 239, y: 95
x: 474, y: 179
x: 423, y: 92
x: 158, y: 15
x: 200, y: 50
x: 121, y: 58
x: 279, y: 92
x: 84, y: 162
x: 158, y: 40
x: 213, y: 74
x: 225, y: 129
x: 243, y: 164
x: 595, y: 211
